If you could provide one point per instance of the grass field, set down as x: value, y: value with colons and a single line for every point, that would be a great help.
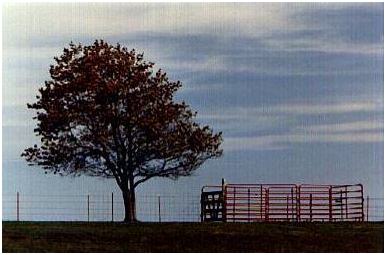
x: 192, y: 237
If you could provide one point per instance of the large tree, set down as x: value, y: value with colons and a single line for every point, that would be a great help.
x: 105, y: 112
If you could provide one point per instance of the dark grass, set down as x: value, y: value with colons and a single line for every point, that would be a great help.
x: 192, y: 237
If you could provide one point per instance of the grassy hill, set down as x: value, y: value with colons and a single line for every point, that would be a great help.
x: 192, y: 237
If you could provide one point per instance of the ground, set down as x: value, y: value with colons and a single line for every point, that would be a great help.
x: 192, y: 237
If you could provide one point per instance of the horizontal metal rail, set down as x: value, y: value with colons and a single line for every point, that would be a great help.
x: 290, y: 202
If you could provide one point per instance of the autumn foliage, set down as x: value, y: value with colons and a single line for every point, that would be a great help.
x: 105, y: 112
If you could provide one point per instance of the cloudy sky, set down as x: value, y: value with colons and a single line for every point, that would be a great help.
x: 297, y: 89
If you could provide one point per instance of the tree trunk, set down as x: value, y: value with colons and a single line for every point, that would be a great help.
x: 129, y: 202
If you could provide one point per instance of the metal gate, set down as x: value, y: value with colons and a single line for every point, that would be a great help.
x: 286, y: 202
x: 212, y: 204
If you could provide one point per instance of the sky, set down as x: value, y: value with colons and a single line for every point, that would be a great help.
x: 296, y: 88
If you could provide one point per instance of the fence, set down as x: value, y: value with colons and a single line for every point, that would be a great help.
x: 100, y: 207
x: 109, y: 207
x: 288, y: 202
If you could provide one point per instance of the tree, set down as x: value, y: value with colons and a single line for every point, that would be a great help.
x: 104, y: 112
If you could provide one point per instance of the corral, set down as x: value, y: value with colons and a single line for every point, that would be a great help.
x: 282, y: 202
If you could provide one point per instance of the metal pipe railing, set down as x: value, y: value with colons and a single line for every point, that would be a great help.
x: 291, y: 202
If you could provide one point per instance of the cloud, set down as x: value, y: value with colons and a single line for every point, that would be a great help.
x: 331, y: 45
x: 281, y: 125
x: 278, y: 127
x: 353, y: 23
x: 357, y: 126
x: 98, y: 19
x: 237, y: 44
x: 201, y: 88
x: 297, y: 108
x: 349, y: 137
x: 285, y: 141
x: 282, y: 26
x: 324, y: 108
x: 251, y: 67
x: 335, y: 28
x: 252, y: 143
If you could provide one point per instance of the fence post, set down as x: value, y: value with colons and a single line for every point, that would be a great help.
x: 249, y: 201
x: 261, y: 202
x: 311, y: 207
x: 298, y: 205
x: 287, y: 207
x: 234, y: 203
x: 341, y: 205
x: 267, y: 204
x: 367, y: 208
x: 203, y: 205
x: 112, y: 206
x: 362, y: 198
x: 17, y: 206
x: 224, y: 205
x: 330, y: 204
x: 346, y: 202
x: 88, y: 208
x: 292, y: 203
x: 159, y: 208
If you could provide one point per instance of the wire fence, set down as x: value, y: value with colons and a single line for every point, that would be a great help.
x: 109, y: 207
x: 100, y: 207
x: 374, y: 207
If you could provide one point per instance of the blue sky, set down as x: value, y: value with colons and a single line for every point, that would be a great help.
x: 297, y: 89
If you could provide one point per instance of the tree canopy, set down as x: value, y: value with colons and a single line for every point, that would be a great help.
x: 106, y: 113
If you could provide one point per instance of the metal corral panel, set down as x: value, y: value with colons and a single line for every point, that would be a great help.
x: 284, y: 202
